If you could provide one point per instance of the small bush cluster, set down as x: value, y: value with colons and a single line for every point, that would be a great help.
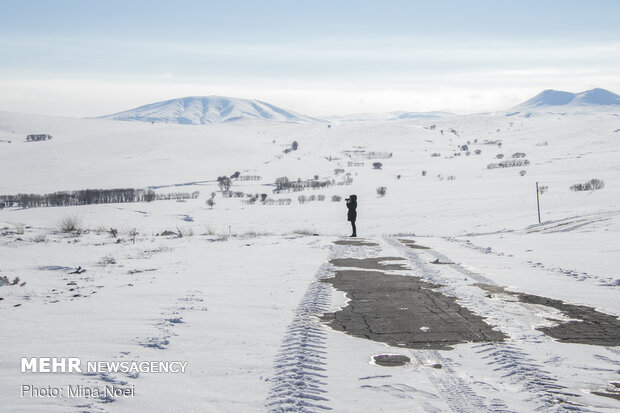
x: 508, y: 163
x: 293, y: 147
x: 4, y: 280
x: 303, y: 199
x: 107, y: 260
x: 591, y: 185
x: 303, y: 231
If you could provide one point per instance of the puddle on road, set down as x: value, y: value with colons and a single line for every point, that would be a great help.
x: 586, y: 325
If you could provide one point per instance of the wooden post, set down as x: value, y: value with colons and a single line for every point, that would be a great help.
x: 538, y: 202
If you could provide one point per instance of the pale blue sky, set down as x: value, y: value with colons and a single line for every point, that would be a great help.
x: 87, y: 58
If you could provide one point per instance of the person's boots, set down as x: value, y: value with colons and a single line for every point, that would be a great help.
x: 353, y: 235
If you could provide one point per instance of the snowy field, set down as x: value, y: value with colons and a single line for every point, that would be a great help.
x: 237, y: 290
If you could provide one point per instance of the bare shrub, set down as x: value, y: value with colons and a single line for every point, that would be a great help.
x: 254, y: 234
x: 107, y: 260
x: 39, y: 238
x: 185, y: 232
x: 336, y: 198
x: 320, y: 197
x: 435, y: 155
x: 70, y: 223
x: 508, y: 163
x: 518, y: 155
x: 301, y: 199
x: 381, y: 191
x: 303, y: 231
x: 133, y: 233
x: 522, y: 172
x: 113, y: 232
x: 4, y: 280
x: 377, y: 165
x: 591, y: 185
x: 19, y: 229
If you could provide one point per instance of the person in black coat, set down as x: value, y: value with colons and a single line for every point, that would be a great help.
x: 352, y: 214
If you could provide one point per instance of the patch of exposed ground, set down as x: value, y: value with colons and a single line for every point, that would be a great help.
x: 403, y: 311
x: 369, y: 263
x: 412, y: 244
x: 356, y: 243
x: 586, y: 325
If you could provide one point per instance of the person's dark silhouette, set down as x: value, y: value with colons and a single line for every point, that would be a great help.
x: 352, y: 214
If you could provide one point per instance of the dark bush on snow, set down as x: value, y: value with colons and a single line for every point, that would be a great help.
x: 591, y: 185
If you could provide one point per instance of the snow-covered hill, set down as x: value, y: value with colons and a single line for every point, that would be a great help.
x: 200, y: 110
x: 554, y: 98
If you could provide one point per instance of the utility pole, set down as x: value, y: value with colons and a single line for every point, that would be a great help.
x: 538, y: 201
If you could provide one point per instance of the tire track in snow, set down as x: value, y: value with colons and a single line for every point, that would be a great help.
x: 300, y: 375
x: 299, y: 380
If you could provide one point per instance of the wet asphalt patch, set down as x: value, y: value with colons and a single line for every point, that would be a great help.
x: 412, y: 244
x: 586, y: 325
x: 356, y: 243
x: 403, y: 311
x: 376, y: 263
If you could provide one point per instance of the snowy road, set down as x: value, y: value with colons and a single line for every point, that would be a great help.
x: 525, y: 370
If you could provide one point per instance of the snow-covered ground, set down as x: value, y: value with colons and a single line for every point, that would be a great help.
x: 239, y: 295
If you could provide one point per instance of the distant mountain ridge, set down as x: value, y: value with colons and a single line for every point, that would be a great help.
x: 554, y: 98
x: 201, y: 110
x: 387, y: 116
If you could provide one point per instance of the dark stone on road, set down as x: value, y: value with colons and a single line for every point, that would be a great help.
x: 391, y: 360
x: 404, y: 311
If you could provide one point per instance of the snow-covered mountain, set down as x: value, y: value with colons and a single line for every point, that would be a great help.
x: 554, y: 98
x: 200, y: 110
